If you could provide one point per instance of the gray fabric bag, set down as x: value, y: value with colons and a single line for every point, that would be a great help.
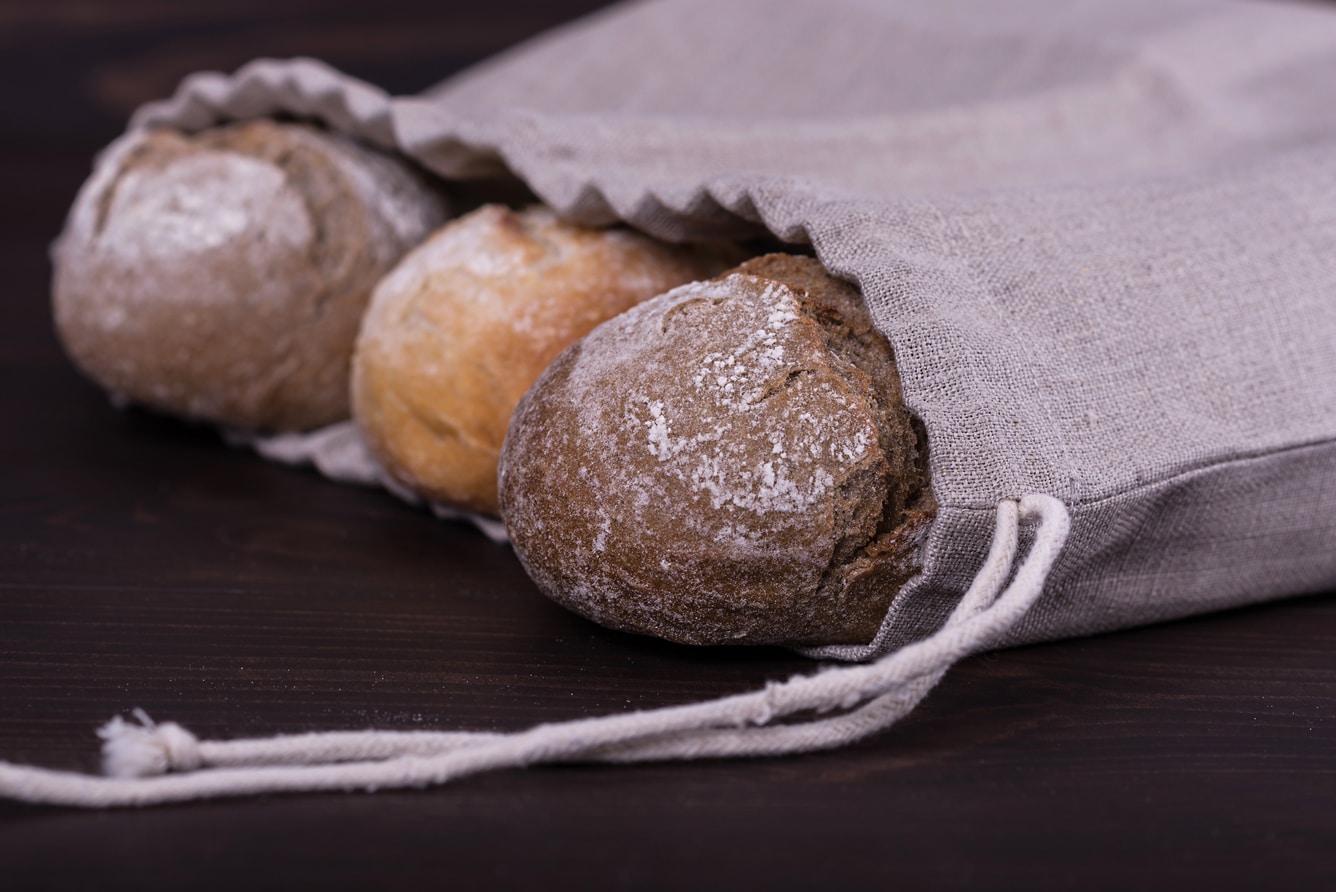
x: 1101, y: 237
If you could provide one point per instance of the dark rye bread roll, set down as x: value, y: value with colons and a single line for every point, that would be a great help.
x: 730, y: 462
x: 222, y: 275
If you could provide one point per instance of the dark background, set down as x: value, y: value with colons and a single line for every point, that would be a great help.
x: 144, y: 564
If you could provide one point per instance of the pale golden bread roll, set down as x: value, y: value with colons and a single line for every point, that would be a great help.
x: 461, y: 328
x: 731, y: 462
x: 223, y: 275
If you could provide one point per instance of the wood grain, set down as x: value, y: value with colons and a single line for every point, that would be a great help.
x: 143, y: 563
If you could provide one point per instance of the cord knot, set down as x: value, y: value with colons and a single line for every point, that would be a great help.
x: 147, y: 749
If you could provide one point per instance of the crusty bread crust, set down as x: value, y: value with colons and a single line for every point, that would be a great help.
x: 223, y: 275
x: 463, y: 326
x: 731, y: 462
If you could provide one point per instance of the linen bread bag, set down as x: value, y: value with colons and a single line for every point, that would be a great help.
x: 1100, y: 238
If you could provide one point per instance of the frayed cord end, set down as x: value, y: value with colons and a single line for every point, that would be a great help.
x: 147, y: 749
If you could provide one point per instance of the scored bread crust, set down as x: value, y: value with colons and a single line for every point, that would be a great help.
x: 223, y: 275
x: 731, y: 462
x: 461, y: 328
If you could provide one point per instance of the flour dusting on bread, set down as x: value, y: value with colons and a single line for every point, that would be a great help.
x: 730, y: 461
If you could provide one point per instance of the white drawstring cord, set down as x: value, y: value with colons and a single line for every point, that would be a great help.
x: 875, y: 695
x: 149, y: 748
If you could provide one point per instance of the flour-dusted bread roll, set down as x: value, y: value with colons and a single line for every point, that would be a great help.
x: 731, y: 462
x: 462, y: 327
x: 223, y: 275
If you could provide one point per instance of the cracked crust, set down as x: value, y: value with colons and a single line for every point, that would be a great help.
x: 223, y: 275
x: 731, y: 462
x: 462, y: 327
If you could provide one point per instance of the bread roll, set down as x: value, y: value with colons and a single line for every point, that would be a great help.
x: 223, y: 275
x: 462, y: 327
x: 731, y: 462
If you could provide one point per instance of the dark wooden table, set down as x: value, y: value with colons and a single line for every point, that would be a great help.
x: 142, y: 563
